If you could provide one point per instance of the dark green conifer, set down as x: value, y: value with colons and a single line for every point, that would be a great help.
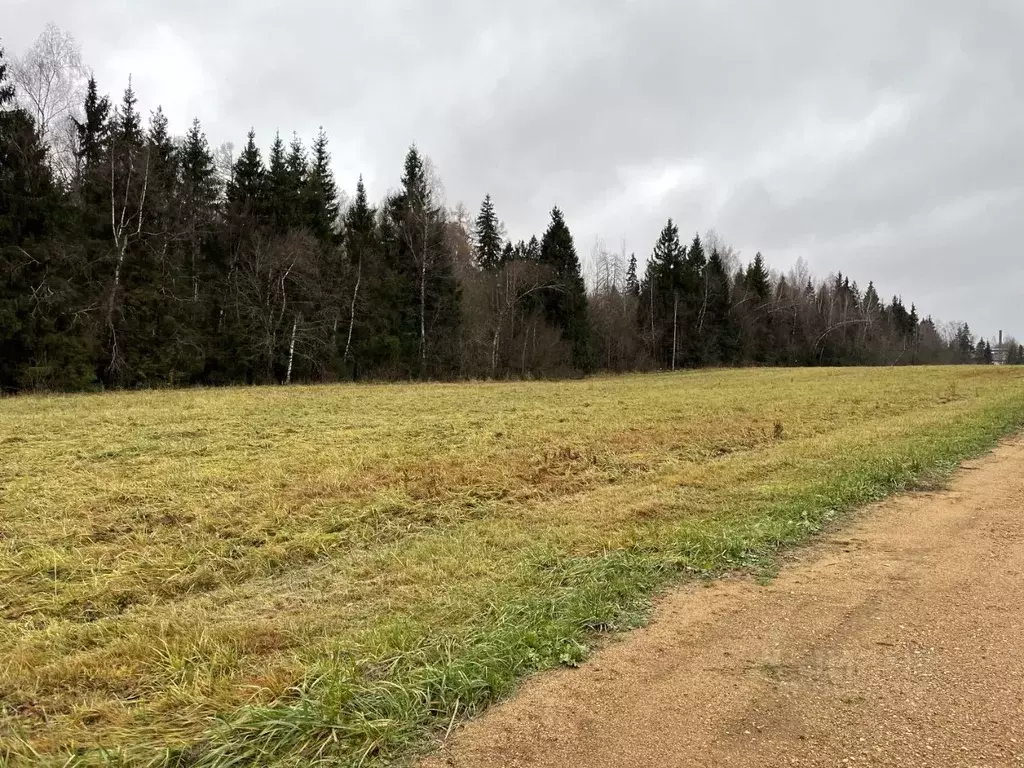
x: 566, y: 305
x: 487, y: 237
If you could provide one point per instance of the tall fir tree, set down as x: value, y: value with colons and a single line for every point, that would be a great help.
x: 198, y: 196
x: 279, y: 203
x: 297, y: 174
x: 756, y: 279
x: 132, y: 264
x: 665, y: 286
x: 566, y: 303
x: 421, y: 275
x: 632, y: 282
x: 696, y: 347
x: 487, y: 240
x: 321, y: 193
x: 367, y: 316
x: 92, y: 131
x: 246, y: 189
x: 6, y: 87
x: 128, y: 121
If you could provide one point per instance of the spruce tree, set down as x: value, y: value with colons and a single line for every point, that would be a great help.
x: 696, y: 347
x: 566, y: 304
x: 246, y: 189
x: 297, y: 173
x: 199, y: 192
x: 421, y: 275
x: 128, y: 121
x: 159, y: 138
x: 963, y: 345
x: 665, y: 289
x: 131, y: 262
x: 871, y: 303
x: 632, y: 283
x: 321, y: 192
x: 154, y: 332
x: 756, y: 279
x: 92, y: 131
x: 279, y: 203
x: 487, y: 237
x: 533, y: 249
x: 720, y: 311
x: 45, y: 328
x: 367, y: 315
x: 6, y: 88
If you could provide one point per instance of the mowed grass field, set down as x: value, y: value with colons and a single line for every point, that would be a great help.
x: 335, y: 574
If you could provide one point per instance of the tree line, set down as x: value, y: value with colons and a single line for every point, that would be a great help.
x: 130, y: 258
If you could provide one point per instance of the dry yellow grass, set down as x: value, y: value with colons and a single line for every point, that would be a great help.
x: 170, y: 557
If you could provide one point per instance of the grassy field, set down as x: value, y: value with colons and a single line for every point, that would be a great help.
x: 294, y: 575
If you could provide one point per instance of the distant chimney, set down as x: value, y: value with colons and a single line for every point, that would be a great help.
x: 1000, y: 339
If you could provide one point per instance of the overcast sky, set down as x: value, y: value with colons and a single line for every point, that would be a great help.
x: 882, y: 138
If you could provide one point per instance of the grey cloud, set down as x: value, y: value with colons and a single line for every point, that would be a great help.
x: 880, y: 138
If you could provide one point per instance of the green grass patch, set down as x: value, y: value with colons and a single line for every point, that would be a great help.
x: 335, y: 575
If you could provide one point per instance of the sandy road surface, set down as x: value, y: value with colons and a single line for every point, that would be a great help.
x: 898, y: 640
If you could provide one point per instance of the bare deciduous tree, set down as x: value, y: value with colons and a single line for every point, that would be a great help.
x: 51, y: 78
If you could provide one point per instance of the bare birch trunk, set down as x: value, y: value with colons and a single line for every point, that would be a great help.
x: 494, y: 350
x: 291, y: 351
x: 121, y: 232
x: 352, y: 315
x: 423, y: 316
x: 651, y: 292
x: 675, y: 326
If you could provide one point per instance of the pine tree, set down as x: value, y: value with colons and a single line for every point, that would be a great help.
x: 566, y: 304
x: 487, y: 237
x: 987, y: 357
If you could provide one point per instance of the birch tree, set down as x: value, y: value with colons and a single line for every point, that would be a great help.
x: 50, y: 78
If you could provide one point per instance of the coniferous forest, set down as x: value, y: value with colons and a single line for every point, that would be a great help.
x: 133, y: 257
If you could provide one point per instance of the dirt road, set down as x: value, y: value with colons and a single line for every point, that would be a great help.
x: 898, y: 640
